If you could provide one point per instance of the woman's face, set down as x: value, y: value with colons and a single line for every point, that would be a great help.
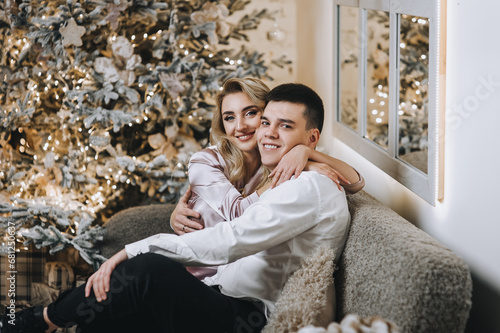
x: 241, y: 118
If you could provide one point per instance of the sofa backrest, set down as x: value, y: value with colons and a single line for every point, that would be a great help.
x: 392, y: 269
x: 133, y: 224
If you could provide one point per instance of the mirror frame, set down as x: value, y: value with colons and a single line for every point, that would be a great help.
x: 428, y: 186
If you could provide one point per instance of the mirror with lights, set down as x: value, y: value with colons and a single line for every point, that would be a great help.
x: 377, y: 77
x: 387, y: 81
x: 413, y: 115
x: 348, y: 54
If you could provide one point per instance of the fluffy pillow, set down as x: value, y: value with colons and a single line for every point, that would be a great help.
x: 308, y: 297
x: 355, y: 324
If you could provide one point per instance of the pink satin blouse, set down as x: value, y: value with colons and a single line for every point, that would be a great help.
x: 214, y: 197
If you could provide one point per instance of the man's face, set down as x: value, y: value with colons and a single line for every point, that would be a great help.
x: 282, y: 127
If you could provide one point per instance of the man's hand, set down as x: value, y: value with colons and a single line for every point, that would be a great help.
x: 99, y: 281
x: 182, y: 217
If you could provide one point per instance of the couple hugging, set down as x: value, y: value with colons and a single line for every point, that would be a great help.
x: 278, y: 199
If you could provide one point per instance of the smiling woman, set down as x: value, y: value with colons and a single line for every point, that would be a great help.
x: 241, y: 118
x: 244, y: 95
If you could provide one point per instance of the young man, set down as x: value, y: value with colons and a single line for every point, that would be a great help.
x: 145, y: 286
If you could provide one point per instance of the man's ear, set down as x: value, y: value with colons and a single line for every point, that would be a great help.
x: 313, y: 137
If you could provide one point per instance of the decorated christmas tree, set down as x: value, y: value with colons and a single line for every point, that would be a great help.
x: 102, y: 103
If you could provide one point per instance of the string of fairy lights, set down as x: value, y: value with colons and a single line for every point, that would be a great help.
x: 68, y: 144
x: 50, y: 86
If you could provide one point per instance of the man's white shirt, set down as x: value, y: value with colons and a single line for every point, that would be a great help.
x: 258, y: 251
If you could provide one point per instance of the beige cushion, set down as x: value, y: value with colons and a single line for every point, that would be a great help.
x: 308, y: 297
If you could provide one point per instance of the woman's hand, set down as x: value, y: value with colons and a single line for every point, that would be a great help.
x: 326, y: 170
x: 181, y: 218
x: 291, y: 164
x: 99, y: 281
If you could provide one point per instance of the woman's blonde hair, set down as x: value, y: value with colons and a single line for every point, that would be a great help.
x: 256, y: 91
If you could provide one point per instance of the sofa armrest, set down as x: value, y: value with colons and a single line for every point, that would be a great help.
x: 133, y: 224
x: 392, y: 269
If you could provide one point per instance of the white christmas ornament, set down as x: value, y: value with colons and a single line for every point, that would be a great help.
x: 72, y: 33
x: 276, y: 34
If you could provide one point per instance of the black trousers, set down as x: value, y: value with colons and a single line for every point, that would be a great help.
x: 152, y: 293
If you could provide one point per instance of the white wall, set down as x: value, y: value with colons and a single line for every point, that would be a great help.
x: 467, y: 220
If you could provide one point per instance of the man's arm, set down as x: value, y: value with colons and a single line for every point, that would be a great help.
x: 278, y: 216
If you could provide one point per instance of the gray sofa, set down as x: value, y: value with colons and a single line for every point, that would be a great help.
x: 389, y: 268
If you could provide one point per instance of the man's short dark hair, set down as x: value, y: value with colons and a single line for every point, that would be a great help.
x: 300, y: 94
